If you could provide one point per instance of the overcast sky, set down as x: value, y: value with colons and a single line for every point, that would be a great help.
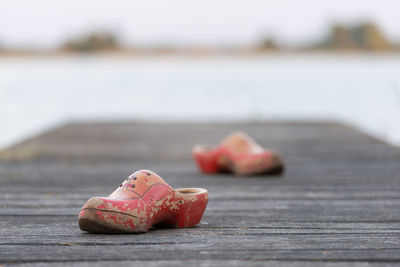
x: 46, y: 23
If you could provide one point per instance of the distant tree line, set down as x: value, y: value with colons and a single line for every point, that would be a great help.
x: 365, y: 37
x: 92, y: 42
x: 362, y: 37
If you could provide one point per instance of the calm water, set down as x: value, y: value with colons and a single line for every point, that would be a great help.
x: 36, y: 94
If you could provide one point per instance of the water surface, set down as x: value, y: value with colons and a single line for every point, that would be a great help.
x: 38, y: 93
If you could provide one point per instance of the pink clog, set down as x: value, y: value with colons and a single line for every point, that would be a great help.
x: 143, y: 200
x: 239, y: 154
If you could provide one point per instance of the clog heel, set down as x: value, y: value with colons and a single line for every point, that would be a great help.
x: 191, y: 213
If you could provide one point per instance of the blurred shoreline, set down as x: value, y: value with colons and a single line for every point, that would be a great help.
x: 348, y: 39
x: 121, y: 54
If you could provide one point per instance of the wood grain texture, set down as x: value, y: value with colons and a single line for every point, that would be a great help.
x: 338, y: 202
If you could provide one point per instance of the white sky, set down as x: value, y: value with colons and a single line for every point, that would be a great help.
x: 46, y: 23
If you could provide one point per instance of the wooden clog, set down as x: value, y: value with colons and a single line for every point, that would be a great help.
x: 240, y: 154
x: 143, y: 200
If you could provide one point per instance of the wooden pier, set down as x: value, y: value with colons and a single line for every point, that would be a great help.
x: 338, y: 202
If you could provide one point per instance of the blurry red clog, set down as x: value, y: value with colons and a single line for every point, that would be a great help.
x: 143, y: 200
x: 240, y: 154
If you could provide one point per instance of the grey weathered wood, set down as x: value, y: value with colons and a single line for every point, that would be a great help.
x: 208, y: 262
x: 338, y: 203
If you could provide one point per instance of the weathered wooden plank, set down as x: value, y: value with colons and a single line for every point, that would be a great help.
x: 215, y: 240
x: 204, y: 251
x: 256, y: 210
x: 208, y: 262
x: 43, y: 224
x: 219, y: 192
